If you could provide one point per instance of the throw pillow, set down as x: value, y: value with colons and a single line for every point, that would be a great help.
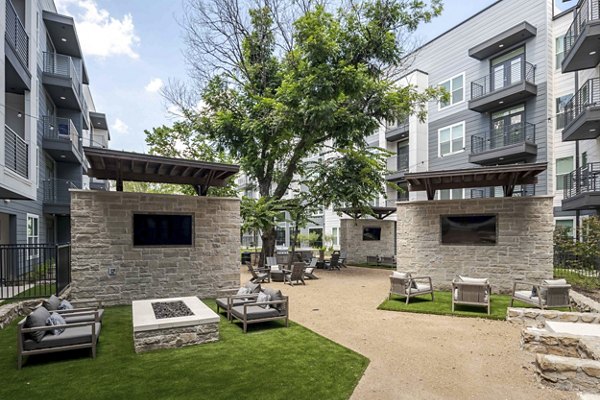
x: 534, y: 292
x: 56, y: 319
x: 263, y: 297
x: 65, y: 305
x: 401, y: 275
x: 37, y: 318
x: 242, y: 291
x: 52, y: 303
x: 253, y: 287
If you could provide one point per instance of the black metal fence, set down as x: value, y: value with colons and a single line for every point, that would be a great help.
x: 34, y: 270
x: 567, y: 262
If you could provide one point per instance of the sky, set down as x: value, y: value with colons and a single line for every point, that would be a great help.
x: 133, y: 48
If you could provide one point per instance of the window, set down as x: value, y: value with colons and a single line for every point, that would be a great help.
x: 451, y: 139
x: 456, y: 88
x: 33, y: 234
x: 279, y: 236
x: 564, y: 166
x: 561, y: 102
x: 567, y: 224
x: 560, y: 51
x: 451, y: 194
x: 584, y: 159
x: 335, y: 238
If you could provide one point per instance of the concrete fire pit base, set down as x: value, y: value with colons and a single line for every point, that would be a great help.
x: 151, y: 333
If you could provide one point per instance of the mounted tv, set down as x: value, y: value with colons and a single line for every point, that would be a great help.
x: 371, y: 233
x: 469, y: 229
x: 162, y: 230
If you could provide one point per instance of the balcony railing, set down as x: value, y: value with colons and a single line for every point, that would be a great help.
x: 56, y: 191
x: 57, y: 128
x: 16, y: 35
x: 587, y: 96
x: 519, y: 72
x: 588, y: 11
x: 583, y: 180
x: 484, y: 193
x: 497, y: 138
x: 16, y: 153
x: 62, y: 66
x: 398, y: 163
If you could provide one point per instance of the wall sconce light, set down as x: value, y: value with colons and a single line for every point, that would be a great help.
x: 20, y: 114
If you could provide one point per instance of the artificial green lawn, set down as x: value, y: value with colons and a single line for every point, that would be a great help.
x: 443, y: 306
x: 269, y: 362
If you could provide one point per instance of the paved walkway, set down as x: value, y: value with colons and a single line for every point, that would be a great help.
x: 414, y: 356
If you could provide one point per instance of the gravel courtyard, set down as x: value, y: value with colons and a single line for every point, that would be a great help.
x: 414, y: 356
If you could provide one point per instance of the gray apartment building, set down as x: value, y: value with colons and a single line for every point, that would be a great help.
x: 517, y: 94
x: 48, y: 115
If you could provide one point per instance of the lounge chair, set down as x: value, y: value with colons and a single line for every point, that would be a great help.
x: 255, y: 312
x: 309, y: 272
x: 34, y: 336
x: 403, y: 284
x: 295, y: 275
x: 472, y: 292
x: 334, y: 262
x: 259, y: 275
x: 550, y: 293
x: 228, y: 298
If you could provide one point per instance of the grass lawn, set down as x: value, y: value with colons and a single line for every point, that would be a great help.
x: 269, y: 362
x: 374, y: 266
x: 443, y: 306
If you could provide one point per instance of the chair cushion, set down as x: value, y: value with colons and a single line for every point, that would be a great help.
x: 52, y: 303
x: 254, y: 287
x: 275, y: 295
x: 421, y: 287
x: 400, y: 275
x: 527, y: 296
x: 255, y: 312
x: 551, y: 282
x: 37, y: 318
x: 56, y: 319
x: 467, y: 279
x: 87, y: 317
x: 71, y: 336
x: 65, y: 305
x: 262, y: 297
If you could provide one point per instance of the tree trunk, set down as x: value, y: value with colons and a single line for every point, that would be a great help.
x: 268, y: 245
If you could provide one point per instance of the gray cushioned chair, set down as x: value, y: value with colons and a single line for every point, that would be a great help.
x: 550, y: 293
x: 228, y: 298
x: 256, y: 312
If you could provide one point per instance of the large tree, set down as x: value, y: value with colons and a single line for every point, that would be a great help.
x: 281, y: 80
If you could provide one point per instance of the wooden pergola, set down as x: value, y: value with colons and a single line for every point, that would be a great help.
x: 507, y: 176
x: 127, y: 166
x: 377, y: 212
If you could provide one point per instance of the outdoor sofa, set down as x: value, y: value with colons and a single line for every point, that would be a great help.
x: 550, y: 293
x: 276, y: 307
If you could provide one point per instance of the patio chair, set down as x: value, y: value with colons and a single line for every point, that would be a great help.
x: 550, y: 293
x: 472, y: 292
x: 228, y: 298
x: 259, y: 275
x: 403, y: 284
x: 295, y: 275
x: 334, y: 262
x: 309, y: 272
x: 255, y: 312
x: 342, y: 258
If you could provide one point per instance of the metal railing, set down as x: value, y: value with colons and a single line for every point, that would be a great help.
x: 398, y: 163
x: 588, y: 11
x: 567, y: 263
x: 497, y: 138
x: 63, y: 66
x: 587, y: 96
x: 56, y: 191
x: 16, y: 152
x: 16, y: 35
x: 582, y: 180
x: 58, y: 128
x: 518, y: 72
x: 34, y: 270
x: 484, y: 193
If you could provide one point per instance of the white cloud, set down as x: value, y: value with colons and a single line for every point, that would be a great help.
x: 120, y: 127
x: 154, y: 85
x: 101, y: 34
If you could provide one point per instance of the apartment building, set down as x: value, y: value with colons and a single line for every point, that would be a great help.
x: 514, y: 98
x: 48, y: 115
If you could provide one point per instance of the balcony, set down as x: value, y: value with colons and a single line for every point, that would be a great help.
x: 582, y: 188
x: 582, y: 113
x: 397, y: 166
x: 502, y: 89
x: 397, y: 132
x: 16, y: 153
x: 582, y: 49
x: 514, y: 143
x: 485, y: 193
x: 57, y: 198
x: 18, y: 77
x: 62, y: 140
x: 62, y: 81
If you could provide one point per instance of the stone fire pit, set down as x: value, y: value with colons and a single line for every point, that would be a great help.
x: 167, y: 323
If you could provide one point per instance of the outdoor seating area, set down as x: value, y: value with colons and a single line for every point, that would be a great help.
x: 551, y: 293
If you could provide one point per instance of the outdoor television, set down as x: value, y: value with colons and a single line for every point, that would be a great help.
x: 371, y: 233
x: 469, y: 229
x: 162, y: 230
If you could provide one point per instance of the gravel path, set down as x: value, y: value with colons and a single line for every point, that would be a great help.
x: 414, y: 356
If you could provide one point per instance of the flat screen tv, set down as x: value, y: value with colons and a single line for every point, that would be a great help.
x: 469, y: 229
x: 371, y: 233
x: 162, y: 230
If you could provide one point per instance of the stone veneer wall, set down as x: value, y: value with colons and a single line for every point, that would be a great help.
x: 524, y: 248
x: 357, y: 249
x: 102, y: 238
